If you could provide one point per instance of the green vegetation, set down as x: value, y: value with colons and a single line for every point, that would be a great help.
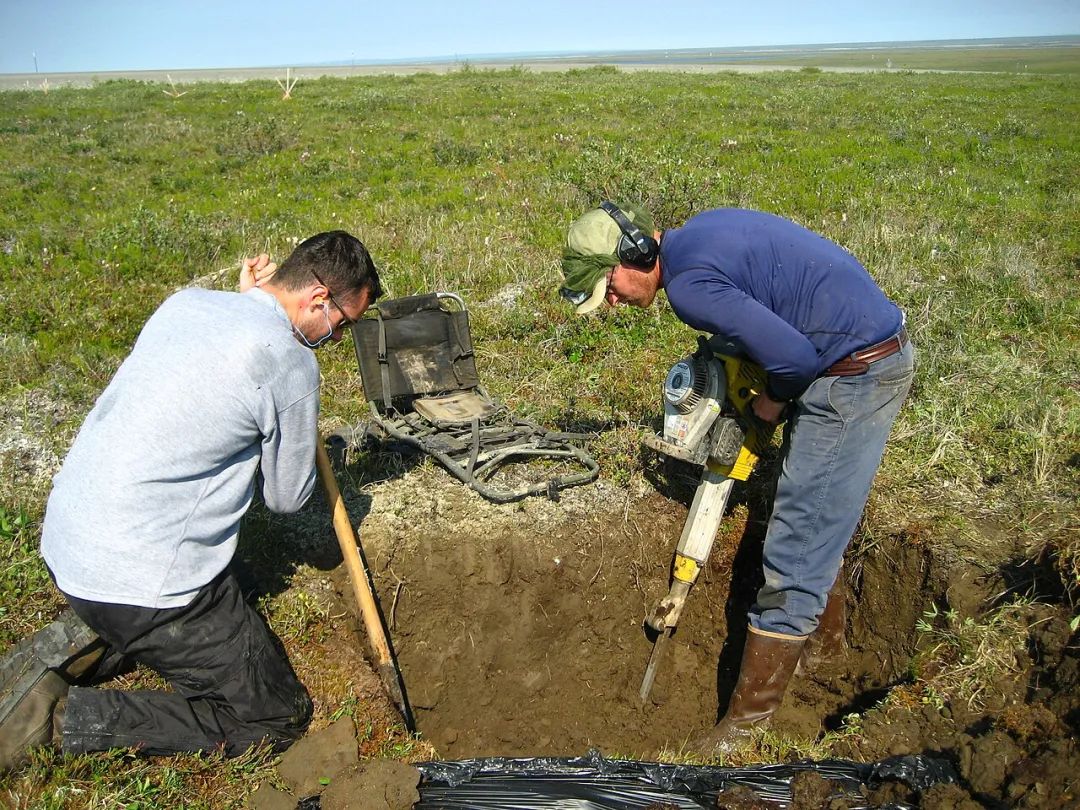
x: 123, y: 780
x: 23, y: 579
x: 971, y: 653
x: 958, y: 191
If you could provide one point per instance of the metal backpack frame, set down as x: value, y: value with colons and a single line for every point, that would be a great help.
x: 419, y: 375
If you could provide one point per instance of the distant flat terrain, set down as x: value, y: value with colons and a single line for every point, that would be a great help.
x: 1011, y: 55
x: 1004, y: 59
x: 32, y: 81
x: 1038, y: 55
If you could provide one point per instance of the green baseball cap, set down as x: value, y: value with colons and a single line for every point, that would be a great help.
x: 592, y: 242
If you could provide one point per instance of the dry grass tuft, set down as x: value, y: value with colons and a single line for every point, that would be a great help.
x: 968, y: 656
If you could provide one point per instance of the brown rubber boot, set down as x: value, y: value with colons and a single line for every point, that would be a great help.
x: 827, y: 641
x: 768, y: 663
x: 30, y: 724
x: 34, y: 675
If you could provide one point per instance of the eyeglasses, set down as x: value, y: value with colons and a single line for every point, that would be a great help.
x: 578, y: 297
x: 346, y: 321
x: 575, y: 297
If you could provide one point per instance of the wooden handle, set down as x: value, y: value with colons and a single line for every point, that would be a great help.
x: 347, y: 540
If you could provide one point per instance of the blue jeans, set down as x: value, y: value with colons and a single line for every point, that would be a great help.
x: 832, y: 449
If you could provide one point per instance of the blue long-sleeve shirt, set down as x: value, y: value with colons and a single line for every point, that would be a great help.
x: 794, y: 301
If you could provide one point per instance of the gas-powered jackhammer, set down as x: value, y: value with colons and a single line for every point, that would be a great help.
x: 708, y: 421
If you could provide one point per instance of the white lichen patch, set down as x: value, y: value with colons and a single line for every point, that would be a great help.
x: 506, y: 297
x: 35, y: 428
x: 221, y: 279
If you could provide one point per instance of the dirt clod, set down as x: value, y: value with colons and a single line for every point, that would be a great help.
x: 1027, y: 722
x: 267, y: 797
x: 988, y: 762
x: 315, y: 761
x: 740, y: 797
x: 948, y: 796
x: 810, y: 791
x: 379, y: 784
x: 891, y: 793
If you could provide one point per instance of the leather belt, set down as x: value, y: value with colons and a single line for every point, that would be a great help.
x: 859, y: 362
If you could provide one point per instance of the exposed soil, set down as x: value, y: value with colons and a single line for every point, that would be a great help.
x: 518, y: 630
x: 526, y: 639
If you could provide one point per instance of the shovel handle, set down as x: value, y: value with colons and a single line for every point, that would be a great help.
x: 357, y: 574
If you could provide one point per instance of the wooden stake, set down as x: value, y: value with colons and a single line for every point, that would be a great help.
x: 174, y: 93
x: 288, y: 84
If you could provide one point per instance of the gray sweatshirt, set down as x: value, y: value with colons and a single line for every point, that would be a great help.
x: 147, y: 506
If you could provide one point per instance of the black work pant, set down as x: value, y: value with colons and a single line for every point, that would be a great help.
x: 232, y: 683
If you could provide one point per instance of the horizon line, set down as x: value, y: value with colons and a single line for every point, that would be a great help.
x: 571, y: 54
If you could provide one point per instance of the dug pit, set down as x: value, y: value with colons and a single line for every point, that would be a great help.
x: 519, y: 629
x: 519, y: 633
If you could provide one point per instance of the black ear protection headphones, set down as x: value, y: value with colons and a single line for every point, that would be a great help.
x: 635, y: 248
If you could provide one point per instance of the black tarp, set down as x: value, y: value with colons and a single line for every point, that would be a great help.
x: 595, y: 783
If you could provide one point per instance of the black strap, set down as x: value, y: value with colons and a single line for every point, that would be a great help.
x: 384, y: 363
x: 475, y: 446
x: 461, y: 351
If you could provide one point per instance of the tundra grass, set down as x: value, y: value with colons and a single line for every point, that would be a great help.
x: 958, y: 192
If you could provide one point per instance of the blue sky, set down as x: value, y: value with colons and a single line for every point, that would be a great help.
x: 89, y: 35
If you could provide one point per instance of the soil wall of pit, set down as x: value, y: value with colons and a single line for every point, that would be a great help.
x: 519, y: 633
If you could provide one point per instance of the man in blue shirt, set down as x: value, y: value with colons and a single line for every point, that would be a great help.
x: 839, y: 366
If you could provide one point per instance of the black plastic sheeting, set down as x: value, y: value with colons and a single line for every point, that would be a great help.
x: 595, y: 783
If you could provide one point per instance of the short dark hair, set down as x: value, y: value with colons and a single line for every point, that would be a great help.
x: 338, y: 258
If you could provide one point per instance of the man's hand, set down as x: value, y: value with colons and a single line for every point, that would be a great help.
x: 253, y: 272
x: 768, y: 410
